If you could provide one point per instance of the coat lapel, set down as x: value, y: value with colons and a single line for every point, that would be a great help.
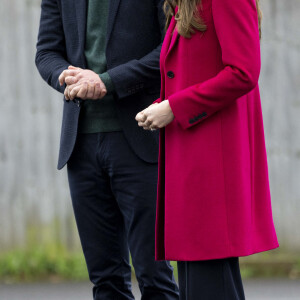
x: 167, y: 39
x: 113, y: 9
x: 174, y: 39
x: 173, y: 33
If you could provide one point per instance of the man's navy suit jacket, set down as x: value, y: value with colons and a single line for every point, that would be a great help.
x: 134, y: 35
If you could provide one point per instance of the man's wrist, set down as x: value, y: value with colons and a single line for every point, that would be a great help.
x: 107, y: 82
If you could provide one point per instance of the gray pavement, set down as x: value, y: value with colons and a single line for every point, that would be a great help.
x: 255, y: 290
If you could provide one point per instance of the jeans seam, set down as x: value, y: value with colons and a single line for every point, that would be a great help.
x: 223, y: 280
x: 186, y: 281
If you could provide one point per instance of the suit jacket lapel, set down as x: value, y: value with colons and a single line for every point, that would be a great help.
x: 81, y: 14
x: 113, y: 9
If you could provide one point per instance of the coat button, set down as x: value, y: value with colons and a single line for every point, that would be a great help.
x: 171, y: 74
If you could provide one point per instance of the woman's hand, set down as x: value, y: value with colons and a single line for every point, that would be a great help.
x: 156, y: 116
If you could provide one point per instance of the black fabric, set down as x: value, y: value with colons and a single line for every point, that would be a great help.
x: 134, y: 36
x: 114, y: 199
x: 210, y: 280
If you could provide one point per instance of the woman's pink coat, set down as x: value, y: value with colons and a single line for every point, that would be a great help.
x: 213, y: 191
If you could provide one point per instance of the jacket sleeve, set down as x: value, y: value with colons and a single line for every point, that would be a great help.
x: 50, y: 56
x: 135, y: 75
x: 236, y: 25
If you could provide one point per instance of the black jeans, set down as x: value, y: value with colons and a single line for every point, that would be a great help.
x: 210, y: 280
x: 114, y: 199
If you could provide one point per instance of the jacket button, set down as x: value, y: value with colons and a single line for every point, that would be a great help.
x: 171, y: 74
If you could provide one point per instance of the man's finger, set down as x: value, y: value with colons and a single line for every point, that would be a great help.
x: 97, y: 93
x: 73, y: 92
x: 66, y: 93
x: 65, y: 74
x: 103, y: 89
x: 61, y: 78
x: 78, y: 86
x: 69, y: 80
x: 71, y: 87
x: 83, y: 91
x: 103, y: 93
x: 73, y: 68
x: 91, y: 91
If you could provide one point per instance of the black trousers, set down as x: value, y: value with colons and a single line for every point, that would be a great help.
x: 210, y: 280
x: 114, y: 199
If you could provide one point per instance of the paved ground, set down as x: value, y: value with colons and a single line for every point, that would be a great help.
x: 255, y: 290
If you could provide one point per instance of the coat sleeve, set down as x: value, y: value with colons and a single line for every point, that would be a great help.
x: 50, y: 56
x: 236, y: 25
x: 137, y: 74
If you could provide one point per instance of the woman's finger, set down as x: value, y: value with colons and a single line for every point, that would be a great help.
x: 148, y: 123
x: 153, y: 128
x: 140, y: 117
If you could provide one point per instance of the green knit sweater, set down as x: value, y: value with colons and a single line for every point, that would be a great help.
x: 98, y: 115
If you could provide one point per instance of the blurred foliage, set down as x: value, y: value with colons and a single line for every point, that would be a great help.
x: 276, y: 263
x: 41, y: 263
x: 55, y: 263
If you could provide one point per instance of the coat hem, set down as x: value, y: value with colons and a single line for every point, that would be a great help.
x: 208, y: 257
